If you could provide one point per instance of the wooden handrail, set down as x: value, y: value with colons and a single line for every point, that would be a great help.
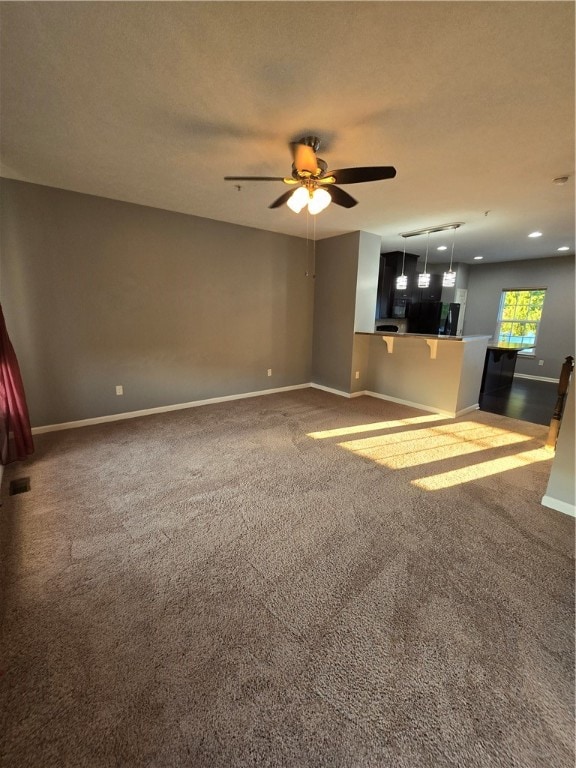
x: 565, y: 373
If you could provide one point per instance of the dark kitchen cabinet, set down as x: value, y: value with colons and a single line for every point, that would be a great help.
x: 499, y: 368
x: 432, y: 293
x: 391, y: 301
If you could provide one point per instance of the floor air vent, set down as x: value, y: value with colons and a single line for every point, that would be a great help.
x: 21, y: 485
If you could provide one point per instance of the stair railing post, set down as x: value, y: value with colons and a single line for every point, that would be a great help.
x: 565, y: 373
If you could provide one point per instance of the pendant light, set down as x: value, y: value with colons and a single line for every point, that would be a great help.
x: 402, y: 280
x: 424, y: 277
x: 449, y: 279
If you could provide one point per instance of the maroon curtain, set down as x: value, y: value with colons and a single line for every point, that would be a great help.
x: 15, y: 433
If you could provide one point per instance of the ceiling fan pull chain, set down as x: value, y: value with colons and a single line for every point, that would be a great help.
x: 308, y: 250
x: 314, y: 246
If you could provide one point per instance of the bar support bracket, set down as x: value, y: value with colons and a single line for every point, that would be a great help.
x: 389, y: 341
x: 433, y: 344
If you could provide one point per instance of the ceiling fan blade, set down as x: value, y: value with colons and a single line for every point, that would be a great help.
x: 304, y: 158
x: 253, y: 178
x: 282, y: 199
x: 341, y: 198
x: 357, y: 175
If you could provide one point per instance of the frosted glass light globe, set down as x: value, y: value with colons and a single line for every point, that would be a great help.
x: 320, y: 199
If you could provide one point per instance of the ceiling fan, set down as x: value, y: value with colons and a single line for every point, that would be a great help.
x: 315, y: 184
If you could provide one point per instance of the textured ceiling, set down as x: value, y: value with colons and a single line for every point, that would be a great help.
x: 154, y: 103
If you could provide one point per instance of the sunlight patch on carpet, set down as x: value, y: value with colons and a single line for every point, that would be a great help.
x: 448, y: 441
x: 374, y: 426
x: 482, y: 469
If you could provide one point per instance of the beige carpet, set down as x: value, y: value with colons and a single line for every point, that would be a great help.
x: 290, y: 580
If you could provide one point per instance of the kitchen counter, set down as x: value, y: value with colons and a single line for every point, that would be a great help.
x: 509, y: 346
x: 499, y: 365
x: 395, y: 334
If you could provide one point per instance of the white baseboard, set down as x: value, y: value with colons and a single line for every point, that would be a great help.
x: 470, y: 408
x: 535, y: 378
x: 226, y: 398
x: 160, y: 409
x: 421, y: 407
x: 559, y: 506
x: 335, y: 391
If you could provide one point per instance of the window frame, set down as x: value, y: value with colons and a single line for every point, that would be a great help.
x: 500, y: 320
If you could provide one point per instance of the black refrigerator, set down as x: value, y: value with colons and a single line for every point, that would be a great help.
x: 432, y: 317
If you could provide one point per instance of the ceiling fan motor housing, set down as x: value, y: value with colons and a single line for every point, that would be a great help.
x: 310, y: 141
x: 321, y: 169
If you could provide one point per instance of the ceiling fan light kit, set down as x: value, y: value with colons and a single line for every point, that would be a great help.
x: 319, y: 199
x: 316, y: 200
x: 298, y: 199
x: 312, y: 176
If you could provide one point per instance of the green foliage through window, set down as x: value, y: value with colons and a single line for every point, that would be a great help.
x: 519, y: 316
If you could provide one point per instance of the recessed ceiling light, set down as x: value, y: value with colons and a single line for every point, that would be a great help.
x: 477, y: 258
x: 535, y: 234
x: 442, y: 248
x: 564, y: 248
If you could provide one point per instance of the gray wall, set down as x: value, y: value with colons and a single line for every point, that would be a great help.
x: 345, y: 301
x: 367, y: 282
x: 175, y: 308
x: 561, y: 486
x: 365, y: 311
x: 556, y: 336
x: 334, y: 310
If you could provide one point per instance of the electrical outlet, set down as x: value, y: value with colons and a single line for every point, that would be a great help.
x: 269, y: 371
x: 357, y: 375
x: 119, y: 389
x: 540, y: 362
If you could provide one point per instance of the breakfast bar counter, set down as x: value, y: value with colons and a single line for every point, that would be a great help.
x: 442, y: 374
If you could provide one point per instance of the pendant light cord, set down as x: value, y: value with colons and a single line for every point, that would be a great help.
x: 452, y: 253
x: 426, y: 257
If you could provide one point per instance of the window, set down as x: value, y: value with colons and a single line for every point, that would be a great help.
x: 519, y: 317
